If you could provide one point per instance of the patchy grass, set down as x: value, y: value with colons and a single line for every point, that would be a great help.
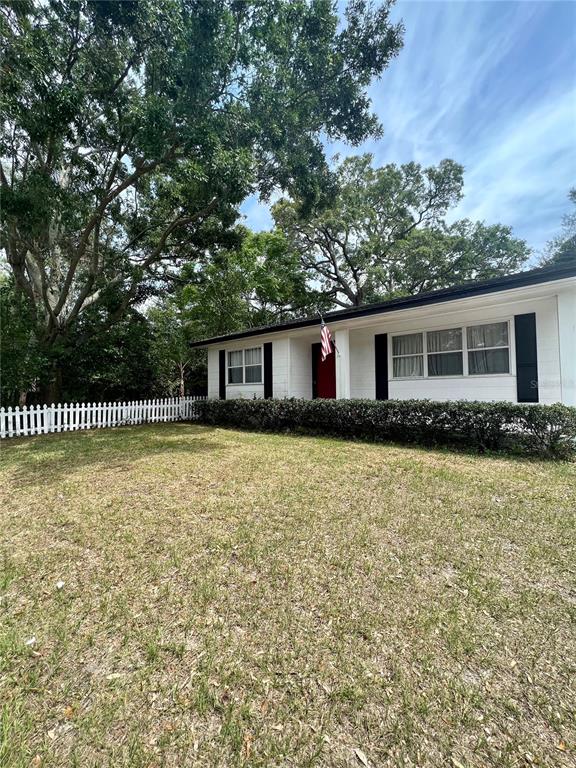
x: 235, y: 599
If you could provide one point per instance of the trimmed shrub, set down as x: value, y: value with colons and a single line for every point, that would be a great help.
x: 545, y: 430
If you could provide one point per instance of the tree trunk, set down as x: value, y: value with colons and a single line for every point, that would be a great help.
x: 51, y: 390
x: 181, y: 367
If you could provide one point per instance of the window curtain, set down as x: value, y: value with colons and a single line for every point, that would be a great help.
x: 253, y: 356
x: 446, y: 364
x: 235, y: 359
x: 235, y: 370
x: 492, y: 335
x: 488, y: 345
x: 488, y: 361
x: 253, y: 374
x: 234, y: 375
x: 410, y: 344
x: 253, y: 362
x: 444, y: 341
x: 405, y: 367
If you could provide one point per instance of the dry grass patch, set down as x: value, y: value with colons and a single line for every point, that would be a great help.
x: 236, y: 599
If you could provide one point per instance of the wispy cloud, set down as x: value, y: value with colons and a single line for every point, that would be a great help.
x: 521, y: 173
x: 493, y: 86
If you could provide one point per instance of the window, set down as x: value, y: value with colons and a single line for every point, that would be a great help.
x: 484, y: 348
x: 488, y: 349
x: 408, y: 355
x: 253, y: 365
x: 245, y: 366
x: 444, y: 350
x: 235, y: 367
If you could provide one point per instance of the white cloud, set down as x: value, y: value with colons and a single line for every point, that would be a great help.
x: 522, y: 172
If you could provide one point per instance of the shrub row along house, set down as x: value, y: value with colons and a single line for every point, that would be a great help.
x: 511, y: 338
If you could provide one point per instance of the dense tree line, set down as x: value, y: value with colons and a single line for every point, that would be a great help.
x: 257, y: 279
x: 133, y: 131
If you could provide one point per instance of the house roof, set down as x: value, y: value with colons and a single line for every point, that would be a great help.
x: 465, y: 290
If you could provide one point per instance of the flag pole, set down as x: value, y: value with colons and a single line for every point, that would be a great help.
x: 332, y: 338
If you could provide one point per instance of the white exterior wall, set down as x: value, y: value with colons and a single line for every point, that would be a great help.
x: 280, y: 369
x: 249, y: 391
x: 355, y: 366
x: 486, y: 388
x: 493, y: 387
x: 342, y: 342
x: 567, y: 340
x: 301, y: 368
x: 548, y: 351
x: 363, y: 363
x: 213, y: 371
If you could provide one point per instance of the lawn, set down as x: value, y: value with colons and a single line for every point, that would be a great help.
x: 174, y: 595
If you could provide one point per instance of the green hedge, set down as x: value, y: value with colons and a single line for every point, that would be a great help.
x: 529, y: 429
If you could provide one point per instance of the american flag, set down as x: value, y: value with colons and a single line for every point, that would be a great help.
x: 326, y: 339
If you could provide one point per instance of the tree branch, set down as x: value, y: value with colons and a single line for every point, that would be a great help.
x: 96, y: 217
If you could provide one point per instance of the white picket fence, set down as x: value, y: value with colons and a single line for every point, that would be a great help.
x: 66, y: 417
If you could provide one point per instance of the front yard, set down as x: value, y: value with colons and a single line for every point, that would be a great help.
x: 174, y: 595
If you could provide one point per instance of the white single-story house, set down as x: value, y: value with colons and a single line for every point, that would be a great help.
x: 511, y: 338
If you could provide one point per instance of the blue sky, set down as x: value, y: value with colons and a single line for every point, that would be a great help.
x: 493, y: 86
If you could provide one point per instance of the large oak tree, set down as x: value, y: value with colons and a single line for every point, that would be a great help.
x: 132, y: 131
x: 385, y: 234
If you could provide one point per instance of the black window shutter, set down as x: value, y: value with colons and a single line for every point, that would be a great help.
x: 381, y: 352
x: 268, y: 369
x: 526, y: 358
x: 222, y: 374
x: 316, y: 349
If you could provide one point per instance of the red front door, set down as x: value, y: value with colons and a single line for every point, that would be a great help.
x: 323, y: 373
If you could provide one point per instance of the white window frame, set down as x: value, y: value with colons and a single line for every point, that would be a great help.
x: 445, y: 352
x: 508, y: 347
x: 465, y: 372
x: 244, y: 383
x: 418, y: 354
x: 230, y: 367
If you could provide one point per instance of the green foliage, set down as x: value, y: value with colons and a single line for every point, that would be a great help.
x: 100, y: 362
x: 132, y: 131
x: 179, y: 370
x: 21, y: 360
x: 548, y: 430
x: 254, y: 281
x: 384, y: 234
x: 258, y: 282
x: 432, y: 258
